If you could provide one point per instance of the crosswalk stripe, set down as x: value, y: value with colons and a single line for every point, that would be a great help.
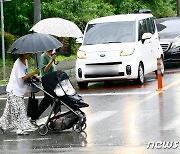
x: 26, y: 139
x: 37, y: 97
x: 100, y: 94
x: 174, y: 124
x: 118, y: 93
x: 91, y: 119
x: 98, y: 116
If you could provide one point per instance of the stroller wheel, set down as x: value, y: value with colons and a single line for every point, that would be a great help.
x: 84, y: 126
x: 43, y: 129
x: 77, y: 128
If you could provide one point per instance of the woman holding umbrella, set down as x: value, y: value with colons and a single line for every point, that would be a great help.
x: 14, y: 113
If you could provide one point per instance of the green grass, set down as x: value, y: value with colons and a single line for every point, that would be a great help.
x: 9, y: 65
x: 3, y: 82
x: 62, y: 58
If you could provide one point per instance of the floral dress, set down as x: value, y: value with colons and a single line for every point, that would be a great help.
x: 14, y: 115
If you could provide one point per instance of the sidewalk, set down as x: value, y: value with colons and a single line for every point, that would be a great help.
x: 67, y: 65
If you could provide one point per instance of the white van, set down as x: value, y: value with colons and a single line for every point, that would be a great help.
x: 118, y: 47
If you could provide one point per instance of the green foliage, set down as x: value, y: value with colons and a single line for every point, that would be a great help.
x: 77, y: 11
x: 8, y: 40
x: 162, y: 8
x: 159, y: 8
x: 18, y: 16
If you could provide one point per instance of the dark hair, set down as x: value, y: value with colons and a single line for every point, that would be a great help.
x: 21, y: 55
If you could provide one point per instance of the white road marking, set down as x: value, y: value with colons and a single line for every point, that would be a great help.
x: 42, y: 120
x: 99, y: 94
x: 37, y: 97
x: 147, y: 114
x: 34, y: 139
x: 98, y: 116
x: 119, y: 93
x: 175, y: 124
x: 91, y: 119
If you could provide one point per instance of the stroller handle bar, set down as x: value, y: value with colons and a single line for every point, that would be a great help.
x: 53, y: 97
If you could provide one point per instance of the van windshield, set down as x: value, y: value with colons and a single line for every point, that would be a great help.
x: 111, y: 32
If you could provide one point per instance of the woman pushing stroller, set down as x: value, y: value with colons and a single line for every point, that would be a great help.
x: 14, y: 114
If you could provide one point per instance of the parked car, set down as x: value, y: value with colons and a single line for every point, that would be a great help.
x: 169, y: 31
x: 118, y: 47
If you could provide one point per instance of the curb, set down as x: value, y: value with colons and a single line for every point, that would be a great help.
x: 3, y: 89
x: 70, y: 73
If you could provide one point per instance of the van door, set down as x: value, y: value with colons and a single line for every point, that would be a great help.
x: 146, y: 47
x: 154, y: 42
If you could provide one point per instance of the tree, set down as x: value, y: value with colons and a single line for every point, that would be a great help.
x: 159, y: 8
x: 18, y: 16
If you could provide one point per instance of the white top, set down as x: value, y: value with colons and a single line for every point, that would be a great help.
x: 16, y: 83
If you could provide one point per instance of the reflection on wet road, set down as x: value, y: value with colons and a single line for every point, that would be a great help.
x: 122, y: 118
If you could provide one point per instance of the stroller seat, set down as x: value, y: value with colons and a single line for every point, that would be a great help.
x: 58, y: 84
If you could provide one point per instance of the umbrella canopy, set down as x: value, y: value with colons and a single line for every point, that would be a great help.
x: 33, y: 43
x: 57, y: 27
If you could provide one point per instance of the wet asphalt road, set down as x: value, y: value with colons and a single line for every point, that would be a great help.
x: 122, y: 118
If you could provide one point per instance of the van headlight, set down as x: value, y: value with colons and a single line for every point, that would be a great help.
x: 175, y: 44
x: 81, y: 55
x: 127, y: 52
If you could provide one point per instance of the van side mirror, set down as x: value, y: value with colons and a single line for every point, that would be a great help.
x: 79, y: 40
x: 146, y: 36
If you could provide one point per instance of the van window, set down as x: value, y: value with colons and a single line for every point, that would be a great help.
x: 142, y: 28
x: 150, y: 25
x: 110, y: 32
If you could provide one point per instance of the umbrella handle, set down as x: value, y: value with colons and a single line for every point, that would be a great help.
x: 37, y: 65
x: 36, y: 60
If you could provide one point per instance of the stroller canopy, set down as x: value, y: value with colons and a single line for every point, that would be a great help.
x: 49, y: 81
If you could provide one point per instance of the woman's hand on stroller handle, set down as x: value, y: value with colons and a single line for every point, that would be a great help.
x: 35, y: 79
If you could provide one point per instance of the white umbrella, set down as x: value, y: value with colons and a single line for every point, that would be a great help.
x: 57, y: 27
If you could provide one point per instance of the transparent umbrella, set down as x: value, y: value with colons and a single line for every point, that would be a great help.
x: 57, y: 27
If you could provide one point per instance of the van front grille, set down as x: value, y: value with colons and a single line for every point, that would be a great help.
x: 103, y: 75
x: 109, y: 63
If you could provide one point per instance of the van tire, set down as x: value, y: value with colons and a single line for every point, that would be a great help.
x: 140, y: 79
x: 82, y: 85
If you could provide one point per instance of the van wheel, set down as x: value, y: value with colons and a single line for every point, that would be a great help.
x: 82, y: 85
x: 140, y: 79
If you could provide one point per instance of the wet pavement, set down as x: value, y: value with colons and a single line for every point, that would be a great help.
x: 123, y: 118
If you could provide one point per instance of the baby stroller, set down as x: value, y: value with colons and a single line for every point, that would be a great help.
x: 58, y: 86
